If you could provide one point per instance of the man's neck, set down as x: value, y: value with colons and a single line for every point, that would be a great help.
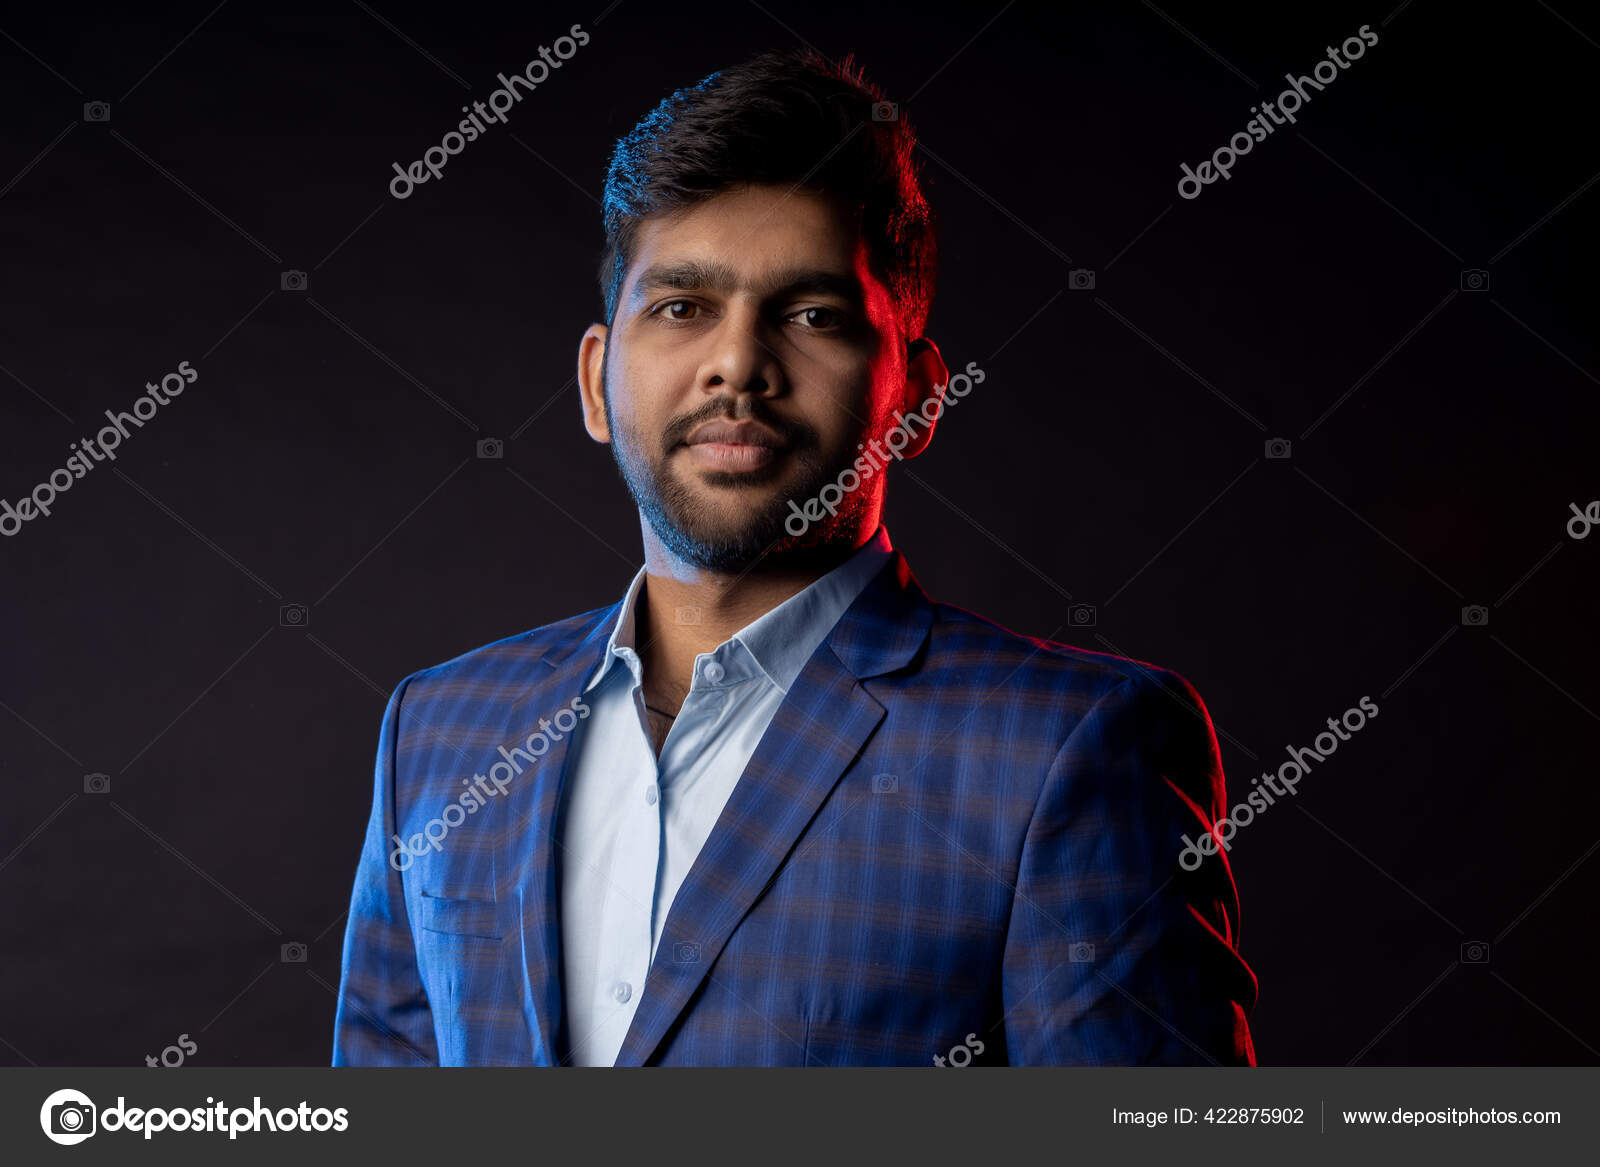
x: 683, y: 612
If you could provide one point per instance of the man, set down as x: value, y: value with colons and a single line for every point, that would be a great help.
x: 777, y: 807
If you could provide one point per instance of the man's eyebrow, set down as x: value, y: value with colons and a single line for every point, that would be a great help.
x: 697, y: 276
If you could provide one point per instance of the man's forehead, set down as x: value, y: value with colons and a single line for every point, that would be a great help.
x: 753, y: 238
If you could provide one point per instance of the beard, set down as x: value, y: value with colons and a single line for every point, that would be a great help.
x: 734, y: 535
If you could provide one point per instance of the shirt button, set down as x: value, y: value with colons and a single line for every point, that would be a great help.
x: 714, y: 672
x: 649, y: 799
x: 622, y: 992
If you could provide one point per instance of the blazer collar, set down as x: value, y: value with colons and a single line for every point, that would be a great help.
x: 779, y: 641
x: 878, y: 633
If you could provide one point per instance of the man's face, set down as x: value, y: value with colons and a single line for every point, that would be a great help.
x: 751, y: 353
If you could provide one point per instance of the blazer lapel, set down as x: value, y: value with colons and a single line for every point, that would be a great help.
x: 818, y: 730
x: 529, y: 836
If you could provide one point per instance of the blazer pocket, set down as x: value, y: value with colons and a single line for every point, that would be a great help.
x: 459, y: 917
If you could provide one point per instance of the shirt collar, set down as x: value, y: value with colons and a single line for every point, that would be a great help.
x: 777, y: 643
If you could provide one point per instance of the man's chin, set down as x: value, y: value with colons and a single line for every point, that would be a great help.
x: 716, y: 537
x: 735, y: 545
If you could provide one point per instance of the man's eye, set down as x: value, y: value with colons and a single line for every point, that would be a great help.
x: 668, y: 310
x: 820, y: 319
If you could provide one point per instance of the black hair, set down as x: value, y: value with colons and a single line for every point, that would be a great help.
x: 789, y: 118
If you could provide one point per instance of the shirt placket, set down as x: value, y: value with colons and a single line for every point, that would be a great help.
x: 681, y: 756
x: 630, y: 893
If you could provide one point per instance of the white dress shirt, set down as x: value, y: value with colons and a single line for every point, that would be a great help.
x: 634, y: 823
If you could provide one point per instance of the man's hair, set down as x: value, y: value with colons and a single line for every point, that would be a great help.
x: 787, y: 118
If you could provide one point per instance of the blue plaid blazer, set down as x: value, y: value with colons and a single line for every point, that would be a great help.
x: 952, y: 842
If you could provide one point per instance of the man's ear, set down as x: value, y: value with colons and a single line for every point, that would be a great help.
x: 926, y: 378
x: 591, y: 363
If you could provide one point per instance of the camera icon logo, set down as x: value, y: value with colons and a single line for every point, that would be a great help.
x: 1278, y: 448
x: 97, y: 783
x: 1080, y: 279
x: 1082, y: 615
x: 1474, y: 615
x: 885, y: 784
x: 491, y: 448
x: 1474, y: 279
x: 1475, y: 952
x: 294, y: 953
x: 293, y: 281
x: 1081, y: 952
x: 885, y: 111
x: 68, y: 1117
x: 686, y: 952
x: 294, y: 616
x: 97, y: 111
x: 686, y: 614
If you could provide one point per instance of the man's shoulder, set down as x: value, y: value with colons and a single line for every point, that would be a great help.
x: 970, y: 650
x: 503, y: 661
x: 1038, y: 694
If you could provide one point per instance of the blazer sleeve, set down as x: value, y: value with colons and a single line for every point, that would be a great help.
x: 383, y: 1016
x: 1115, y: 954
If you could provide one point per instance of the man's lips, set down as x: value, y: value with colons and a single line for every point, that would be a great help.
x: 734, y: 445
x: 720, y: 431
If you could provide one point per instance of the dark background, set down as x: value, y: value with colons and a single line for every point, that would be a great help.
x: 326, y: 457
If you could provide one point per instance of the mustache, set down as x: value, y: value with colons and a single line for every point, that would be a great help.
x: 796, y: 434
